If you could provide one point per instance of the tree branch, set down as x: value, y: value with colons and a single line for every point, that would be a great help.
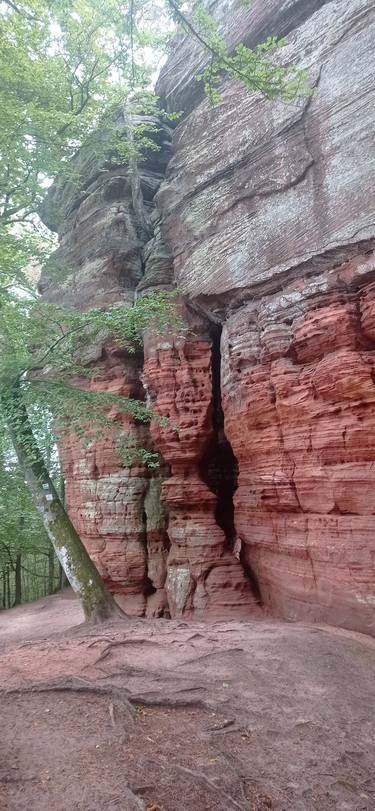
x: 224, y: 59
x: 20, y: 11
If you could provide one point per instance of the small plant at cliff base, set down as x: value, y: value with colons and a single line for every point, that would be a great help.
x: 40, y: 347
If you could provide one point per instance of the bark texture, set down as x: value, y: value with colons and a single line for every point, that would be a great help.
x: 97, y: 602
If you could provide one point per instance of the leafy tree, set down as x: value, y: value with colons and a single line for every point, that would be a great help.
x: 258, y: 69
x: 40, y: 348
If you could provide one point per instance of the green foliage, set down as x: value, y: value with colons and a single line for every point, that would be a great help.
x: 43, y: 359
x: 65, y: 67
x: 258, y: 69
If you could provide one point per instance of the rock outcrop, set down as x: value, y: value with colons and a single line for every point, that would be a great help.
x: 205, y: 578
x: 265, y: 222
x: 116, y: 508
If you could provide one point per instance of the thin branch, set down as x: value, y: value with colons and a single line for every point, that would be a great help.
x: 131, y: 12
x: 196, y: 34
x: 20, y: 11
x: 49, y: 350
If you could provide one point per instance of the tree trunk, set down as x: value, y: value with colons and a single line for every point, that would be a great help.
x: 97, y: 603
x: 8, y: 587
x: 63, y: 580
x: 51, y: 570
x: 18, y: 580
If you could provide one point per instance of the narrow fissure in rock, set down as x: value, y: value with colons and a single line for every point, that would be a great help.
x: 219, y: 467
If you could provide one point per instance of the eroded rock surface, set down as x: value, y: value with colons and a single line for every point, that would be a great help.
x: 255, y: 188
x: 115, y: 507
x: 265, y: 222
x: 268, y: 211
x: 205, y: 578
x: 299, y: 400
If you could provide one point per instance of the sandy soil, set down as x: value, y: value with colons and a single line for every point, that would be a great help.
x: 164, y: 715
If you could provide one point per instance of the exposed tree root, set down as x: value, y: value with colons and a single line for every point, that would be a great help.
x: 116, y: 644
x: 76, y: 685
x: 128, y: 700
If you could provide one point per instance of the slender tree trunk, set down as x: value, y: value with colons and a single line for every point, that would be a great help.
x: 18, y: 580
x: 63, y: 578
x: 97, y: 603
x: 63, y: 582
x: 134, y: 176
x: 51, y: 570
x: 8, y: 587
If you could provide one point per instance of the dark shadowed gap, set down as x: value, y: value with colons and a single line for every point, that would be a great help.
x: 219, y: 467
x: 148, y: 587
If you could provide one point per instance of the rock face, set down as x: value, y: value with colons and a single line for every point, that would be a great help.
x: 204, y: 576
x: 115, y: 508
x: 265, y: 222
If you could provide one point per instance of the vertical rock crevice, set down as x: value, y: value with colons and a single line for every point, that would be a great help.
x: 204, y: 576
x: 219, y: 467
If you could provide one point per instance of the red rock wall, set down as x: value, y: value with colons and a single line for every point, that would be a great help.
x: 299, y: 401
x: 265, y: 220
x: 204, y: 576
x: 268, y: 212
x: 116, y: 507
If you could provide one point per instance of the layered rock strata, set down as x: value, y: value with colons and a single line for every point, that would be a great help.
x: 265, y: 222
x: 205, y: 578
x: 115, y: 507
x: 268, y: 211
x: 299, y: 399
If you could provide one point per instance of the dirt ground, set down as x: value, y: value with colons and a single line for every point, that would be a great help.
x: 170, y: 716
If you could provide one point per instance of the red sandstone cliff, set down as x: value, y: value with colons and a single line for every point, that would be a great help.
x: 265, y: 219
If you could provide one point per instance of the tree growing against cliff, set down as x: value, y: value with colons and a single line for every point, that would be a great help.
x: 40, y: 348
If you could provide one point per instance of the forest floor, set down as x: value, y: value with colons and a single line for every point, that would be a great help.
x: 175, y: 716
